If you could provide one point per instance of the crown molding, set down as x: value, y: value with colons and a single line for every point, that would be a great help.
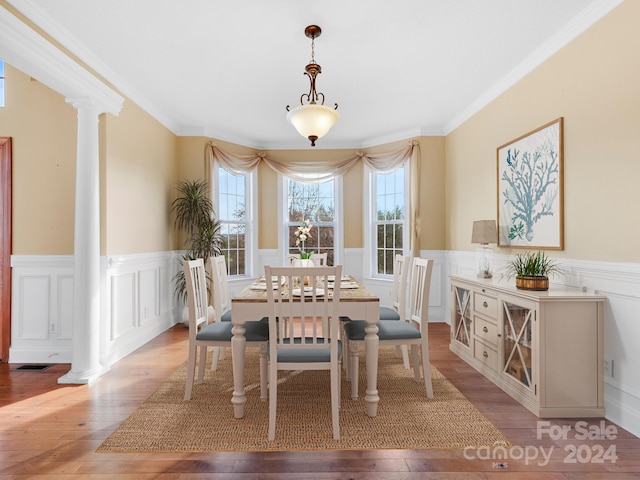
x: 43, y: 20
x: 38, y: 67
x: 578, y: 25
x: 26, y: 50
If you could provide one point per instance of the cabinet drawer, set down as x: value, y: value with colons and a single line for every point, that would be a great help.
x: 485, y: 305
x: 487, y: 331
x: 485, y: 354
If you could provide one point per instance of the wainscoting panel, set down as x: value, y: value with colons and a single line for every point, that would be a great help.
x: 122, y: 318
x: 137, y: 305
x: 64, y: 307
x: 141, y: 303
x: 35, y: 316
x: 41, y: 309
x: 149, y: 307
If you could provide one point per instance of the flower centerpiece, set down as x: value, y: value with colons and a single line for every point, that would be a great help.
x: 303, y: 233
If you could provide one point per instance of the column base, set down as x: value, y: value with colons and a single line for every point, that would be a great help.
x: 82, y: 378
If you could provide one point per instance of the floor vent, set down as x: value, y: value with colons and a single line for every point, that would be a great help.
x: 37, y: 367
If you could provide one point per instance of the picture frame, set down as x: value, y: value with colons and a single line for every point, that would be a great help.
x: 530, y: 189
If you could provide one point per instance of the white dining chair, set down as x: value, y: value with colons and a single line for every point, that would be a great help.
x: 299, y: 317
x: 401, y: 266
x: 411, y: 330
x: 221, y: 300
x: 203, y: 334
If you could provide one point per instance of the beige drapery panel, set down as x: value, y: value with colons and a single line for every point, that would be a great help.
x: 241, y: 164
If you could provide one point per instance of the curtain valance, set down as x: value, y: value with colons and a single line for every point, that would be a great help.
x: 314, y: 171
x: 301, y: 170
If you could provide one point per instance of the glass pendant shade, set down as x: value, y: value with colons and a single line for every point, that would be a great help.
x: 313, y: 120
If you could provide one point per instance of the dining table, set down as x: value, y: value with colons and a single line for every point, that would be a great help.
x: 356, y: 302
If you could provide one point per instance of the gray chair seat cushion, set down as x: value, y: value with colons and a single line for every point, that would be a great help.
x: 387, y: 313
x: 387, y: 330
x: 221, y: 331
x: 307, y: 355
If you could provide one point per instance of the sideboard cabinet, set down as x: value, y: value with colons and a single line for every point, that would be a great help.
x: 545, y: 349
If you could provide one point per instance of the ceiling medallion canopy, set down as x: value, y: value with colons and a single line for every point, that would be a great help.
x: 312, y: 119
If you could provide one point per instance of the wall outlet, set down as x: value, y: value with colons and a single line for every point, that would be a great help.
x: 608, y: 368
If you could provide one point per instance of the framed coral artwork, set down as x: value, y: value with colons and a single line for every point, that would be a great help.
x: 530, y: 191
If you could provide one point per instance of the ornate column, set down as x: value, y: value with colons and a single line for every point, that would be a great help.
x: 85, y: 360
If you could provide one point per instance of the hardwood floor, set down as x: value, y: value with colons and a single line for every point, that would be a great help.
x: 51, y: 431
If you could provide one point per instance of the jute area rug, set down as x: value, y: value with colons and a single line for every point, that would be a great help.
x: 406, y: 418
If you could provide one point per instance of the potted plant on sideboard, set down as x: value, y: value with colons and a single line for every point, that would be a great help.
x: 532, y: 270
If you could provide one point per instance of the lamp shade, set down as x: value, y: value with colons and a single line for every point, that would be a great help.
x: 484, y: 232
x: 313, y: 120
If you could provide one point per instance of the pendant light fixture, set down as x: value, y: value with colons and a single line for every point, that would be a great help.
x: 311, y: 119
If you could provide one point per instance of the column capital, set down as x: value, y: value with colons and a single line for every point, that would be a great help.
x: 23, y: 48
x: 85, y: 103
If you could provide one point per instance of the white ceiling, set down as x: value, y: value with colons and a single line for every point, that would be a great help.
x: 227, y: 69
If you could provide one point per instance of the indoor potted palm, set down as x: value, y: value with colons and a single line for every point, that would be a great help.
x: 194, y: 215
x: 532, y: 270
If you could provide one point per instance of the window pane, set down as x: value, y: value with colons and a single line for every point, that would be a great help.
x: 314, y: 202
x: 390, y: 213
x: 232, y: 215
x: 232, y: 262
x: 380, y: 261
x: 388, y: 267
x: 398, y: 236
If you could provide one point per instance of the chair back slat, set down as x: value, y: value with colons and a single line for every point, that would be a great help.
x: 197, y: 299
x: 221, y: 295
x: 401, y: 267
x: 420, y: 281
x: 303, y: 316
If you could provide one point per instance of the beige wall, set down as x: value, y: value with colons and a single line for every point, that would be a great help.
x: 138, y: 165
x: 432, y: 193
x: 43, y: 131
x: 140, y: 168
x: 594, y: 83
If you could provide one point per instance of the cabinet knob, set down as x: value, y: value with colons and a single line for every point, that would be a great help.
x: 485, y: 304
x: 485, y: 354
x: 485, y: 329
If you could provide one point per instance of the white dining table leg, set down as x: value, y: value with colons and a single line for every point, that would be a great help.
x: 238, y: 346
x: 371, y: 344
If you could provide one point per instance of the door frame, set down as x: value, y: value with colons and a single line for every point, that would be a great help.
x: 5, y: 248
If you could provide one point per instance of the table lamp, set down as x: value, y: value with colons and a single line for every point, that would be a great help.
x: 484, y: 233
